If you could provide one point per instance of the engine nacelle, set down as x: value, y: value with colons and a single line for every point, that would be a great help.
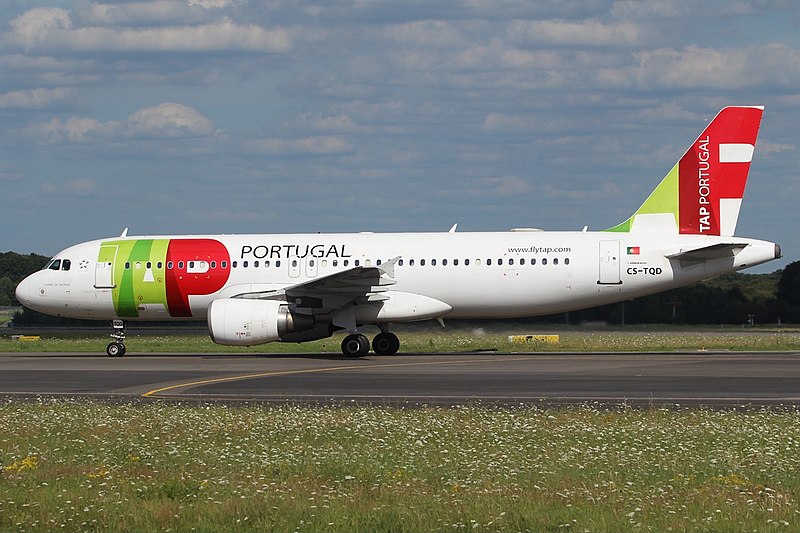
x: 238, y: 322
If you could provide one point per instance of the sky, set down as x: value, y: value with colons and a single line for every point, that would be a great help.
x: 236, y: 116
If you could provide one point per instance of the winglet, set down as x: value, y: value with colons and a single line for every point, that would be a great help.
x: 703, y: 192
x: 453, y: 229
x: 124, y: 233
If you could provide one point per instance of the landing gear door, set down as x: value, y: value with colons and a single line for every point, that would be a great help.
x: 609, y: 263
x: 104, y: 270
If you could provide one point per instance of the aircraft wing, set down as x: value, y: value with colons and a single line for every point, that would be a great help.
x: 359, y: 284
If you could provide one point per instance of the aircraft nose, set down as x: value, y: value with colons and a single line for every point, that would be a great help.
x: 26, y: 291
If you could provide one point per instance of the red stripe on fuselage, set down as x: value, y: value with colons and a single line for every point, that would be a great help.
x: 181, y: 283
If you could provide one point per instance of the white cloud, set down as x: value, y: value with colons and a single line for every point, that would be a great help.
x: 499, y: 122
x: 210, y: 4
x: 332, y: 123
x: 40, y: 98
x: 52, y: 29
x: 508, y: 185
x: 696, y: 66
x: 77, y: 187
x: 159, y: 11
x: 169, y: 120
x: 165, y: 121
x: 587, y: 32
x: 426, y: 33
x: 320, y: 145
x: 767, y: 148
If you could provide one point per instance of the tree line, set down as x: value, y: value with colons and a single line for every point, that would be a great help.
x: 732, y: 299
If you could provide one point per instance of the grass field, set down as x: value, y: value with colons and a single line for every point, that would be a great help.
x: 448, y: 340
x: 83, y: 466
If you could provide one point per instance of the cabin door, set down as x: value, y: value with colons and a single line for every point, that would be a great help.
x: 609, y: 263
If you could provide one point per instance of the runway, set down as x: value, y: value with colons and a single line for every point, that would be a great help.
x: 697, y: 378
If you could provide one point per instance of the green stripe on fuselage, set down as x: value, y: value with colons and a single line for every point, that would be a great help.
x: 137, y: 285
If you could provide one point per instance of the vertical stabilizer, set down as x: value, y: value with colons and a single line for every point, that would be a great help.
x: 702, y: 193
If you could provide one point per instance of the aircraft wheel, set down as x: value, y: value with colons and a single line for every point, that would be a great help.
x: 115, y: 349
x: 355, y: 345
x: 385, y: 343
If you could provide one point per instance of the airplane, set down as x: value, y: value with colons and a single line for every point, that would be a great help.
x: 260, y: 288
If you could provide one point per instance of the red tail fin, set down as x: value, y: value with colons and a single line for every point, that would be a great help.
x: 712, y: 174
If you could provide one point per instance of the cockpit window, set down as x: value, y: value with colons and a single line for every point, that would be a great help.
x: 65, y: 264
x: 55, y: 264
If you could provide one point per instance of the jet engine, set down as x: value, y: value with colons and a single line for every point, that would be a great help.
x: 238, y: 322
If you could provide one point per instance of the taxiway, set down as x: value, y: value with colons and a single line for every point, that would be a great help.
x: 695, y: 378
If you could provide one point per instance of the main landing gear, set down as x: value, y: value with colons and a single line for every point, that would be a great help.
x: 117, y: 348
x: 357, y: 345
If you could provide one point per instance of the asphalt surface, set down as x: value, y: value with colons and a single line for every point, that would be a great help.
x: 641, y: 379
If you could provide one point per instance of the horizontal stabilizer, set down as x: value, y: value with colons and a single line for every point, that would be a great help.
x: 706, y: 253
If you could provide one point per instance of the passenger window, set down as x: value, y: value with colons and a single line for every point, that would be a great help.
x: 244, y: 264
x: 65, y: 264
x: 346, y: 262
x: 266, y: 263
x: 422, y: 262
x: 169, y: 265
x: 544, y: 261
x: 335, y: 262
x: 255, y: 264
x: 510, y: 262
x: 277, y: 264
x: 499, y: 262
x: 234, y: 264
x: 466, y: 262
x: 533, y: 261
x: 433, y: 262
x: 522, y: 261
x: 213, y: 264
x: 444, y: 262
x: 310, y: 263
x: 411, y: 262
x: 224, y: 264
x: 555, y: 261
x: 356, y: 262
x: 127, y: 265
x: 455, y: 262
x: 149, y: 264
x: 180, y: 265
x: 400, y: 262
x: 378, y: 262
x: 488, y: 262
x: 159, y: 265
x: 566, y: 260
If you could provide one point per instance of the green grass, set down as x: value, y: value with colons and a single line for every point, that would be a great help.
x: 445, y: 340
x: 84, y: 466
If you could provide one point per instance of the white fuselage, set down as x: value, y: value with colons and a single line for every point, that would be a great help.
x: 437, y: 275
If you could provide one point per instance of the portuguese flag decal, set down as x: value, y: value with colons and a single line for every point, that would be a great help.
x: 633, y: 250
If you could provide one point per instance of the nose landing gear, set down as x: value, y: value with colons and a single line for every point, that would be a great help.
x: 117, y: 348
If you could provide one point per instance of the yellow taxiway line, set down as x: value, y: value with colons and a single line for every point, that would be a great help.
x: 154, y: 392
